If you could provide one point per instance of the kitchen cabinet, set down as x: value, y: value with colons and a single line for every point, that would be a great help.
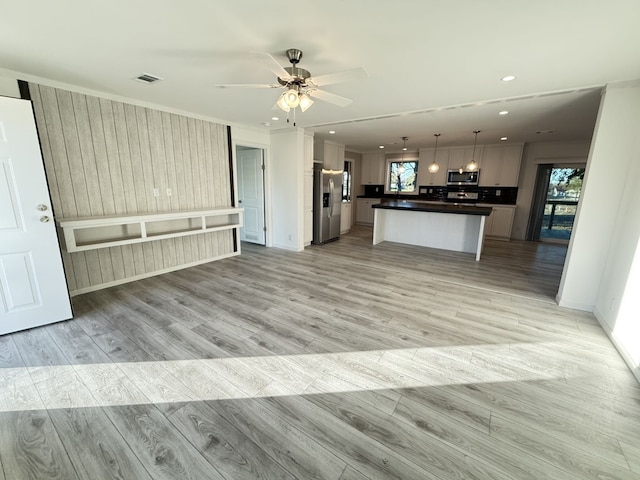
x: 330, y: 154
x: 500, y: 222
x: 345, y: 217
x: 461, y: 156
x: 426, y: 157
x: 500, y: 165
x: 372, y: 170
x: 364, y: 214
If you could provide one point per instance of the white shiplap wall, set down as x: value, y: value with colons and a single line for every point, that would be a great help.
x: 105, y: 158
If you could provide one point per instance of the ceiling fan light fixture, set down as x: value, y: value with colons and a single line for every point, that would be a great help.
x: 305, y: 102
x: 282, y: 102
x: 291, y: 98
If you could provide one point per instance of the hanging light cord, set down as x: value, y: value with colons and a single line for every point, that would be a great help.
x: 473, y: 155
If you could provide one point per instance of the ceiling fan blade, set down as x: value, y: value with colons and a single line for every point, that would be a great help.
x: 248, y: 85
x: 330, y: 98
x: 272, y: 64
x: 339, y: 77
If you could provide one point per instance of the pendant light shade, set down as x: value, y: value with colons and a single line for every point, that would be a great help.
x: 434, y: 167
x: 472, y: 166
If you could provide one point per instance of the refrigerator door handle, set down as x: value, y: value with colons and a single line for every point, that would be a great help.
x: 330, y: 197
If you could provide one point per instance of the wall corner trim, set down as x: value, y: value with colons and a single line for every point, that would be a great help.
x: 635, y: 369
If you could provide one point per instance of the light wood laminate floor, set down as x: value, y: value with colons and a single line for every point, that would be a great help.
x: 345, y: 361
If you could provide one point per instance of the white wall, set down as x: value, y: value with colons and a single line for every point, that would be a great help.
x: 617, y: 303
x: 625, y: 328
x: 598, y: 274
x: 287, y: 188
x: 611, y: 152
x: 533, y: 155
x: 249, y: 137
x: 9, y: 86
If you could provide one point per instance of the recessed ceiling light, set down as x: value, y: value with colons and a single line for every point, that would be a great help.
x: 380, y: 146
x: 265, y: 124
x: 332, y: 132
x: 275, y: 118
x: 508, y: 78
x: 503, y: 112
x: 502, y: 139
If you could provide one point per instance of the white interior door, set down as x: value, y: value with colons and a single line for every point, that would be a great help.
x: 251, y: 194
x: 33, y: 288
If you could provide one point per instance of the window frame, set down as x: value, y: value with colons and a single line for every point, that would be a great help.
x: 348, y: 169
x: 407, y: 158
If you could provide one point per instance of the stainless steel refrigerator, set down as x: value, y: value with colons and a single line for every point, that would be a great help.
x: 327, y: 200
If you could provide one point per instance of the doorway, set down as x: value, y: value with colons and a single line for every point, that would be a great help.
x: 556, y: 197
x: 250, y: 166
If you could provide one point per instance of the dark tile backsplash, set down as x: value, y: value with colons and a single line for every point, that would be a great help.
x: 498, y: 195
x: 433, y: 193
x: 373, y: 190
x: 495, y: 195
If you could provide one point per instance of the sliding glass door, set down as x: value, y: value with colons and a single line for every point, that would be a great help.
x: 558, y: 189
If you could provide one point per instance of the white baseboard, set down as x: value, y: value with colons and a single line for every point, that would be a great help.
x: 635, y: 369
x: 287, y: 247
x: 574, y: 306
x: 122, y: 281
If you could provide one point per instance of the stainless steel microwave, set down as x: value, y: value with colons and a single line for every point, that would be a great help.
x: 456, y: 177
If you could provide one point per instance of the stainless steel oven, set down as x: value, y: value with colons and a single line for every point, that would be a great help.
x: 462, y: 195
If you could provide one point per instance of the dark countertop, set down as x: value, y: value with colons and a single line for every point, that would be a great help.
x: 428, y: 207
x: 391, y: 195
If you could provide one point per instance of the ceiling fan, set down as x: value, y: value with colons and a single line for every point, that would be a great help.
x: 300, y: 87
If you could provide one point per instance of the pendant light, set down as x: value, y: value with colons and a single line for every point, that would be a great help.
x: 434, y: 167
x: 401, y: 167
x: 472, y: 166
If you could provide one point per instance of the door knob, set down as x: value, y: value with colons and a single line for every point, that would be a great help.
x: 239, y: 201
x: 42, y: 207
x: 44, y: 219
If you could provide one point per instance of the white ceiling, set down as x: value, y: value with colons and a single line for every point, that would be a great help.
x: 434, y: 66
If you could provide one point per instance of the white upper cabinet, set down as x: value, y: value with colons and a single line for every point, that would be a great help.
x: 330, y: 154
x: 461, y: 156
x: 500, y: 165
x: 372, y: 170
x: 426, y: 158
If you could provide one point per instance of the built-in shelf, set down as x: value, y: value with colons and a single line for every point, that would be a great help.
x: 89, y: 233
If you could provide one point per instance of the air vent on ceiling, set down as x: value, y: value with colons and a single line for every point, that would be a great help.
x: 148, y: 78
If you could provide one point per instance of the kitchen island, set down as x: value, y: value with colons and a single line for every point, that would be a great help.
x: 447, y: 226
